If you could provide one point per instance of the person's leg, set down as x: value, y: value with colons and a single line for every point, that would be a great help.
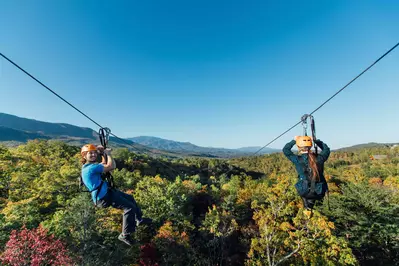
x: 118, y: 200
x: 139, y: 214
x: 308, y: 203
x: 305, y: 203
x: 307, y: 207
x: 311, y: 203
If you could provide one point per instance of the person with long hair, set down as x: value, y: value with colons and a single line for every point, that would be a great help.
x: 104, y: 196
x: 311, y: 185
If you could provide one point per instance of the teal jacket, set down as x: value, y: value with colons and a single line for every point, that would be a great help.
x: 302, y: 161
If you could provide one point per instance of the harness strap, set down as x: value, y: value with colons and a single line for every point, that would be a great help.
x: 97, y: 189
x: 109, y: 178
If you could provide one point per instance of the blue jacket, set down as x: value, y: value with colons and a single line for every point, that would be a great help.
x: 296, y: 159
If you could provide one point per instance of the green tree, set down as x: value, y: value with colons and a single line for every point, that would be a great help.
x: 368, y: 216
x: 163, y: 200
x: 286, y: 235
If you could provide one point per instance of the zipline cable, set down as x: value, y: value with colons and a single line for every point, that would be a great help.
x: 289, y: 129
x: 92, y: 120
x: 329, y: 99
x: 38, y: 81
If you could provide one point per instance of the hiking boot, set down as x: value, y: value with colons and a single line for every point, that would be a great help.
x: 126, y: 239
x: 308, y: 213
x: 143, y: 221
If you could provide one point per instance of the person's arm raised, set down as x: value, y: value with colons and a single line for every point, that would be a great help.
x: 107, y: 160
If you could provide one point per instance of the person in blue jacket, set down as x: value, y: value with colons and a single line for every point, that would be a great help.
x: 311, y: 185
x: 104, y: 196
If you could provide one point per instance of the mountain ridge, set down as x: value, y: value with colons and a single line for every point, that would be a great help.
x: 177, y: 146
x: 16, y: 130
x: 366, y: 145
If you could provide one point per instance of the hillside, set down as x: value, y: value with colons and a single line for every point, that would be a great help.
x: 45, y: 128
x: 367, y: 146
x: 187, y: 147
x: 10, y: 134
x: 15, y: 130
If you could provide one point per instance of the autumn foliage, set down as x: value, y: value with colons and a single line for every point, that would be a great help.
x: 34, y: 247
x: 241, y: 211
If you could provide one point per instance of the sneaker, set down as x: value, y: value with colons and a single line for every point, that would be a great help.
x: 143, y: 221
x: 126, y: 239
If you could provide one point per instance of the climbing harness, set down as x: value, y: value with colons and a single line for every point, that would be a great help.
x: 104, y: 138
x: 97, y: 189
x: 309, y: 188
x: 305, y: 188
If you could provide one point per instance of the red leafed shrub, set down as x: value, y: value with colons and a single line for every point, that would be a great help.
x: 148, y: 255
x: 34, y: 247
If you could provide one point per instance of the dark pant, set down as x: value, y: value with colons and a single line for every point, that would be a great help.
x: 125, y: 202
x: 308, y: 203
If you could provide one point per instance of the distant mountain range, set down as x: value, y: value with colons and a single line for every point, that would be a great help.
x: 367, y: 146
x: 15, y: 130
x: 187, y: 147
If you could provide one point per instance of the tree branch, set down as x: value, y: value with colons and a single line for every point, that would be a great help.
x: 289, y: 255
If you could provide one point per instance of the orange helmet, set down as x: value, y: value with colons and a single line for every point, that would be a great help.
x: 304, y: 141
x: 86, y: 148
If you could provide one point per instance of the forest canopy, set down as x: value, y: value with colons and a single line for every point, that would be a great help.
x: 250, y: 216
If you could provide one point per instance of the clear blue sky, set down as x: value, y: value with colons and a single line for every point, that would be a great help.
x: 215, y: 73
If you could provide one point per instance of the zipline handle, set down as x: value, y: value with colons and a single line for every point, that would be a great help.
x: 313, y: 128
x: 305, y: 124
x: 104, y: 133
x: 104, y: 136
x: 304, y: 119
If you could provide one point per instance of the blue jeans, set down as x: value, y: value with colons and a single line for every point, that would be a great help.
x: 125, y: 202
